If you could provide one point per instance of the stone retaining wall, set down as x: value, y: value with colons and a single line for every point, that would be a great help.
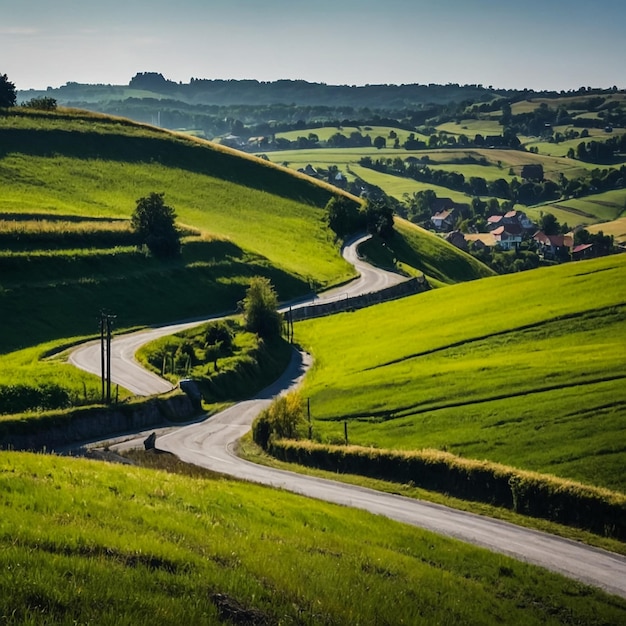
x: 406, y: 288
x: 53, y: 431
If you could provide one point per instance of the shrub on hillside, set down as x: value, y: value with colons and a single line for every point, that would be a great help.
x: 599, y: 510
x: 22, y: 398
x: 283, y: 419
x: 154, y: 224
x: 260, y: 309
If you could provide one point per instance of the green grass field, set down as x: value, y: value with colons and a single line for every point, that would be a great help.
x: 61, y: 167
x: 90, y: 542
x: 497, y: 164
x: 527, y: 370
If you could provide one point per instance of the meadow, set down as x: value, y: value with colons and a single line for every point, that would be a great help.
x: 91, y: 542
x: 525, y: 370
x: 70, y: 183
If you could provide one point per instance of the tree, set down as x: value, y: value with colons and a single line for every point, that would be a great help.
x: 42, y: 104
x: 260, y: 309
x: 379, y: 218
x: 344, y: 216
x: 380, y: 142
x: 154, y: 224
x: 549, y: 225
x: 533, y: 171
x: 8, y: 93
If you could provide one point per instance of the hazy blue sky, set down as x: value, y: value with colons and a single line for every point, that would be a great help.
x: 551, y: 44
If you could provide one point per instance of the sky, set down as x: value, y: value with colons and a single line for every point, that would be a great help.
x: 535, y: 44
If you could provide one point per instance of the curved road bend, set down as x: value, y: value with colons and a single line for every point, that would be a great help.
x: 210, y: 444
x: 127, y: 373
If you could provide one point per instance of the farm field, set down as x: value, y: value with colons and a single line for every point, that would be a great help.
x: 616, y: 228
x: 489, y: 164
x: 510, y: 369
x: 594, y: 213
x: 326, y: 132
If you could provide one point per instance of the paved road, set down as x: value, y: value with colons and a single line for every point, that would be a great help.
x: 126, y: 371
x: 210, y: 444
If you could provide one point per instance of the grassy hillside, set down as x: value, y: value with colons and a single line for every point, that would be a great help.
x: 90, y: 542
x: 526, y: 370
x: 96, y: 166
x: 75, y: 171
x: 417, y: 251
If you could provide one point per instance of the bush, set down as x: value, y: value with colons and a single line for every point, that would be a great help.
x: 283, y: 419
x: 219, y: 334
x: 260, y: 309
x: 22, y: 398
x: 42, y: 104
x: 599, y: 510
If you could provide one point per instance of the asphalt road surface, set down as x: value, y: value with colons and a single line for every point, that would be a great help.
x: 126, y: 371
x: 210, y: 444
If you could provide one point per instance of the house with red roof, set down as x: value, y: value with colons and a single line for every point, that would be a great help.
x: 582, y: 251
x: 553, y: 247
x: 508, y: 236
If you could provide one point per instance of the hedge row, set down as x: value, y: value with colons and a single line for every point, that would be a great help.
x: 21, y: 398
x: 538, y: 495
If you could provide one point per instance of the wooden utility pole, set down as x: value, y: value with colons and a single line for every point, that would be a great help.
x: 106, y: 324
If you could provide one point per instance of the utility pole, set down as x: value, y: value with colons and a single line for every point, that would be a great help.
x: 106, y: 323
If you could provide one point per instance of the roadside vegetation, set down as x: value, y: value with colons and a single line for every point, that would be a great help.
x: 87, y: 541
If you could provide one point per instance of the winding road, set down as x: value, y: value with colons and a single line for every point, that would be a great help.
x: 211, y: 443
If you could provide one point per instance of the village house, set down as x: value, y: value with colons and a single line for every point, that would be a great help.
x: 508, y: 236
x: 494, y: 221
x: 457, y: 238
x: 444, y: 221
x: 512, y: 218
x: 520, y: 218
x: 553, y: 247
x: 481, y: 241
x: 583, y: 251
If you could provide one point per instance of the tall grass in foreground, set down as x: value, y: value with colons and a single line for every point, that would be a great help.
x: 91, y: 542
x: 525, y: 370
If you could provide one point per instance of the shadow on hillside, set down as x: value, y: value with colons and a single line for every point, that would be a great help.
x: 54, y: 217
x: 167, y: 151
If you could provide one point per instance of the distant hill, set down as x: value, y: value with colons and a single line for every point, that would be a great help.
x: 258, y: 93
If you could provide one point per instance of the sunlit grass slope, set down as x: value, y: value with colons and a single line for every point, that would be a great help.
x: 70, y: 181
x: 89, y: 542
x: 527, y: 370
x: 418, y: 251
x: 84, y: 164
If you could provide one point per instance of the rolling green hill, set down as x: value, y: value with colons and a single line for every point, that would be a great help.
x: 525, y: 370
x: 64, y: 168
x: 70, y: 180
x: 92, y: 542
